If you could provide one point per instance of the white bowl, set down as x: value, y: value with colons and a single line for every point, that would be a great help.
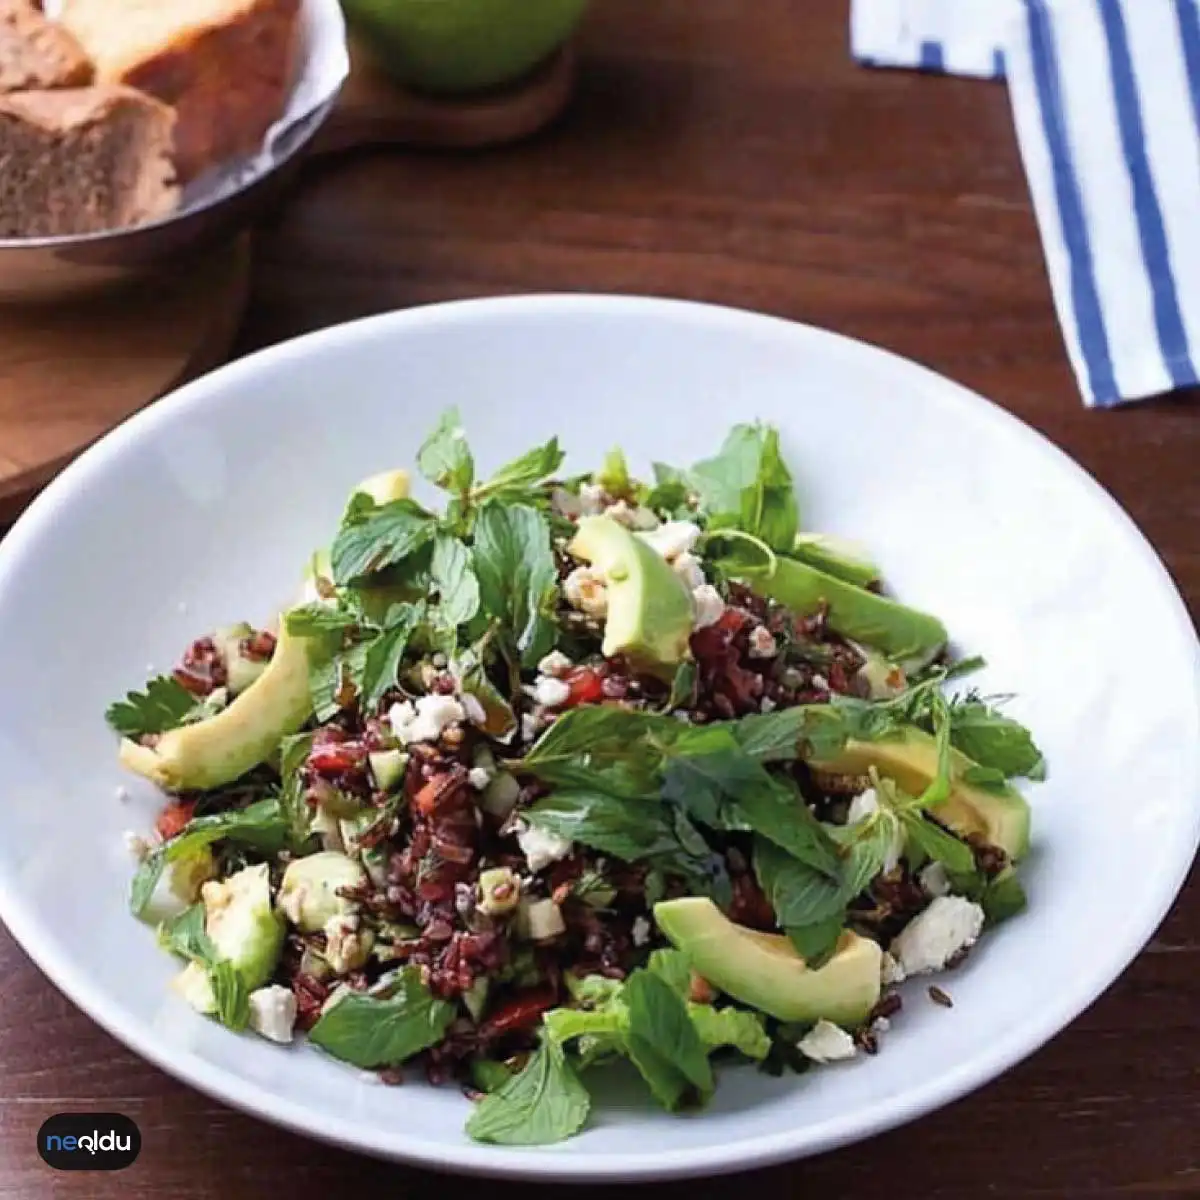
x: 202, y: 509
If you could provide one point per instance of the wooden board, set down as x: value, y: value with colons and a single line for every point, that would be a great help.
x: 69, y: 373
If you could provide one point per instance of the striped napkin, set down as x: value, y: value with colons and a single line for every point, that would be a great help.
x: 1106, y: 98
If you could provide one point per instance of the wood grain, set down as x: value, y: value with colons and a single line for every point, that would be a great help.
x: 724, y: 150
x: 69, y: 373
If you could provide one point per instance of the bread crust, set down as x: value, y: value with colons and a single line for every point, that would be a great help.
x: 226, y: 66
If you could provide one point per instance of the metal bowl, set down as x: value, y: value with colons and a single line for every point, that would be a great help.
x: 67, y: 268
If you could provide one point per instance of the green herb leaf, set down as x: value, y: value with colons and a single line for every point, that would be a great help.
x: 545, y: 1103
x: 995, y: 741
x: 806, y: 731
x: 293, y: 753
x: 734, y: 1027
x: 384, y: 654
x: 515, y: 479
x: 798, y: 894
x: 164, y: 705
x: 663, y: 1042
x: 313, y: 620
x: 1003, y: 897
x: 380, y: 538
x: 613, y: 475
x: 939, y: 844
x: 378, y: 1031
x: 453, y: 578
x: 749, y: 487
x: 674, y: 969
x: 517, y: 577
x: 262, y: 826
x: 628, y: 830
x: 185, y: 936
x: 816, y: 943
x: 230, y: 995
x: 488, y: 1075
x: 444, y: 458
x: 670, y: 491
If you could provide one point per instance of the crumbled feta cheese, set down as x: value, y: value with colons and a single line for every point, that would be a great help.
x: 880, y: 1026
x: 273, y: 1012
x: 825, y: 1042
x: 550, y: 692
x: 540, y: 920
x: 640, y: 931
x: 862, y: 806
x: 136, y: 845
x: 346, y: 946
x: 891, y: 973
x: 479, y: 778
x: 708, y: 605
x: 585, y: 590
x: 820, y: 682
x: 672, y: 538
x: 762, y: 643
x: 767, y: 705
x: 555, y: 663
x: 440, y: 661
x: 427, y: 720
x: 529, y: 727
x: 930, y: 940
x: 541, y: 848
x: 934, y: 880
x: 687, y: 567
x: 883, y: 679
x: 472, y: 709
x: 592, y: 499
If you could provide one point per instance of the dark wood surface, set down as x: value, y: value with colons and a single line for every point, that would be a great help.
x: 724, y: 150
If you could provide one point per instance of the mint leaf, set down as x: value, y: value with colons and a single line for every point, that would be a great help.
x: 262, y: 826
x: 453, y: 579
x: 545, y: 1103
x: 293, y: 753
x: 816, y: 943
x: 379, y: 538
x: 748, y: 486
x: 663, y: 1043
x: 378, y: 1031
x: 674, y: 969
x: 670, y: 492
x: 515, y: 479
x: 517, y: 578
x: 613, y: 475
x: 165, y: 704
x: 185, y: 936
x: 444, y: 458
x: 230, y: 995
x: 384, y: 654
x: 939, y: 844
x: 311, y: 620
x: 806, y: 731
x: 798, y: 894
x: 1003, y: 897
x: 994, y: 741
x: 628, y: 830
x: 734, y: 1027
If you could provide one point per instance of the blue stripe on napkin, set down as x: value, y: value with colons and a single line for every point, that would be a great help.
x: 1106, y: 98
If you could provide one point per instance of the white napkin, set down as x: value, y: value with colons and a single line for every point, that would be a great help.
x: 1106, y: 97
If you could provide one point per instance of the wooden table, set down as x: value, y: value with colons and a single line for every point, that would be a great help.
x: 724, y: 150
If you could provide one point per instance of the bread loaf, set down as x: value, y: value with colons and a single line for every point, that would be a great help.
x: 226, y: 66
x: 36, y: 52
x: 83, y: 160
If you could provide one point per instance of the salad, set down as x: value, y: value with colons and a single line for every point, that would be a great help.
x: 574, y: 770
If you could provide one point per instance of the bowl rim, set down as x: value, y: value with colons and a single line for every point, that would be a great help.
x: 564, y: 1163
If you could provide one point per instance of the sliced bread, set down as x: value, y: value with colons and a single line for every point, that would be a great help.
x: 226, y: 66
x: 36, y: 52
x: 84, y: 160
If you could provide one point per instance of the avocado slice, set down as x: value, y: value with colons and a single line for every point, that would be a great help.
x: 243, y: 928
x: 764, y: 970
x: 222, y: 748
x: 1001, y: 815
x: 650, y: 615
x: 905, y: 635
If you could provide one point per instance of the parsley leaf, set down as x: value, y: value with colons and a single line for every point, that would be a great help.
x: 445, y: 459
x: 748, y: 486
x: 380, y: 1030
x: 517, y: 577
x: 380, y: 537
x: 545, y: 1103
x: 165, y: 704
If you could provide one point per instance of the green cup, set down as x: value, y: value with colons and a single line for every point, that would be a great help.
x: 457, y: 46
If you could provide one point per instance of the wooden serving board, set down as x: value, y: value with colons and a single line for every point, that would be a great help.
x: 69, y: 374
